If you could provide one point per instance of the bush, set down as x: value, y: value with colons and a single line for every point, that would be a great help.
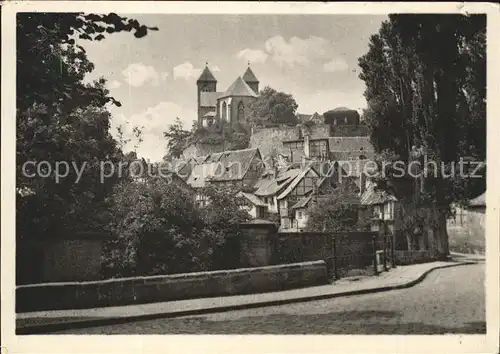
x: 158, y: 229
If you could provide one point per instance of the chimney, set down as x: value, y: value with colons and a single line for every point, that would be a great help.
x: 306, y: 145
x: 362, y: 183
x: 303, y: 162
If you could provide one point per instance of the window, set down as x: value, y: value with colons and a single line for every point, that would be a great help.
x: 224, y: 111
x: 299, y: 215
x: 318, y: 148
x: 241, y: 112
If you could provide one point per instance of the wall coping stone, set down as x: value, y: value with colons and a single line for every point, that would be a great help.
x: 177, y: 276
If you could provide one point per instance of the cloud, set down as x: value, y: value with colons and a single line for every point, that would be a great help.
x: 215, y: 69
x: 252, y: 55
x: 153, y: 121
x: 138, y: 74
x: 114, y: 84
x: 336, y: 65
x: 186, y: 71
x: 297, y: 50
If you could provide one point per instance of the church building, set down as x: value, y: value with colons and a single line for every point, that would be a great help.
x: 228, y: 105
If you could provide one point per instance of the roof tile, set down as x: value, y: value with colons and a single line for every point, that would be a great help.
x: 207, y: 76
x: 249, y: 76
x: 239, y: 88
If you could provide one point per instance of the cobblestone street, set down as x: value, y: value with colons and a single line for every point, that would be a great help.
x: 450, y: 300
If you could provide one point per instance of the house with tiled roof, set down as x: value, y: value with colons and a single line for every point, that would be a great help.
x: 229, y: 105
x: 239, y: 167
x: 467, y: 226
x: 329, y: 180
x: 381, y: 207
x: 257, y: 208
x: 269, y: 187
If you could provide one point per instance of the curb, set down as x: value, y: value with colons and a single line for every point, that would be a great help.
x: 97, y: 322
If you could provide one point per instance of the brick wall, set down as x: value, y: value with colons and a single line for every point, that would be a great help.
x: 354, y: 250
x: 269, y: 140
x: 126, y: 291
x: 70, y: 260
x: 73, y: 257
x: 200, y: 149
x: 349, y: 130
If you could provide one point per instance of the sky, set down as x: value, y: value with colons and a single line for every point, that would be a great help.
x: 312, y: 57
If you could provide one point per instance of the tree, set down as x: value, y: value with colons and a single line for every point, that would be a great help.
x: 273, y: 107
x: 177, y: 139
x: 51, y: 66
x: 339, y: 115
x: 157, y: 230
x: 337, y: 211
x: 425, y: 87
x: 222, y: 215
x: 60, y: 118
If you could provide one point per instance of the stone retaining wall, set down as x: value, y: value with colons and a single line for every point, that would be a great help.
x: 126, y: 291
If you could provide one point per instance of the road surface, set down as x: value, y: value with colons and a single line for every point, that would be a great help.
x: 450, y: 300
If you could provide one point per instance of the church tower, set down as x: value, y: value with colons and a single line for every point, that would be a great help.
x: 251, y: 80
x: 206, y: 83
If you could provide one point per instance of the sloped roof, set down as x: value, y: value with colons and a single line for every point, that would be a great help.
x: 317, y: 117
x: 304, y: 117
x: 272, y: 187
x: 262, y: 185
x: 287, y: 174
x: 199, y: 174
x: 209, y: 99
x: 249, y: 76
x: 341, y: 109
x: 479, y: 201
x: 302, y: 202
x: 182, y: 167
x: 209, y: 114
x: 253, y: 199
x: 372, y: 196
x: 296, y: 181
x: 235, y: 164
x: 207, y: 76
x: 200, y: 159
x: 239, y: 88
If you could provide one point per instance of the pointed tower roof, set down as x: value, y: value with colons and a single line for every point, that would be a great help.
x: 239, y: 88
x: 249, y: 76
x: 207, y: 76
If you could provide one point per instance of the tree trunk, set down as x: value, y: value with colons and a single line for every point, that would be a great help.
x: 437, y: 235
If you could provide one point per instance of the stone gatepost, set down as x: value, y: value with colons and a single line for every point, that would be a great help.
x: 257, y: 243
